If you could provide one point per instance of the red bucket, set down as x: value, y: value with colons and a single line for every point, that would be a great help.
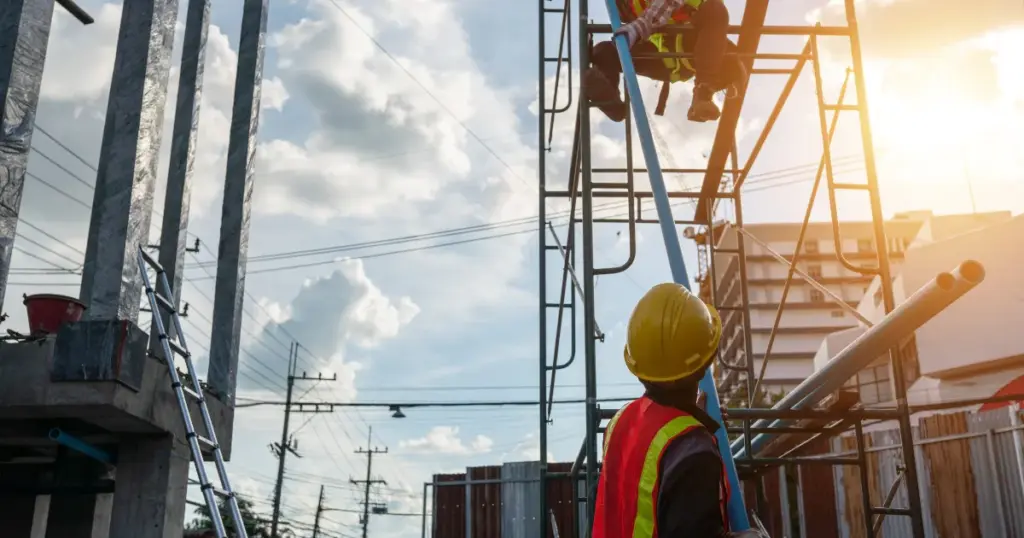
x: 47, y: 312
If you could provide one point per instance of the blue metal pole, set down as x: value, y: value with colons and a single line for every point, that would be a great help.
x: 738, y: 520
x: 78, y: 445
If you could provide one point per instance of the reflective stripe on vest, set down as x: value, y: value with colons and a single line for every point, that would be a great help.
x: 676, y: 65
x: 645, y: 522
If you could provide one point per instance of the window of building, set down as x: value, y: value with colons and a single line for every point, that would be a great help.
x: 873, y: 384
x: 897, y: 244
x: 814, y: 271
x: 865, y: 245
x: 817, y: 296
x: 810, y: 246
x: 838, y: 314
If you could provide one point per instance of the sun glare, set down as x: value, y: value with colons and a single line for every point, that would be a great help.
x: 966, y: 102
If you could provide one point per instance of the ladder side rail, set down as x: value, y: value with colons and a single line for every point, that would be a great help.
x: 737, y: 512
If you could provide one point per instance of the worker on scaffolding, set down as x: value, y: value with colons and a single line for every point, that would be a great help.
x: 662, y: 473
x: 706, y: 39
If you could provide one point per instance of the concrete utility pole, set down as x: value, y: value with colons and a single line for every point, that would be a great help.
x: 319, y: 511
x: 288, y: 443
x: 365, y: 520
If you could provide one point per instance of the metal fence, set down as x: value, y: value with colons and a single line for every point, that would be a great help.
x: 971, y: 472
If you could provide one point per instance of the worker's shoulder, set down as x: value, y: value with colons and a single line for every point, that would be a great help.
x: 695, y: 442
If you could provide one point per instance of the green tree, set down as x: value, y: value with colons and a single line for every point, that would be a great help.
x: 737, y: 397
x: 255, y: 526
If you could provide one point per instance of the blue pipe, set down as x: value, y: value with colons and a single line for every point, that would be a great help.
x: 738, y: 520
x: 78, y: 445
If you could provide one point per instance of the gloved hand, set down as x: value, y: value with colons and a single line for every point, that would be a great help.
x: 633, y: 31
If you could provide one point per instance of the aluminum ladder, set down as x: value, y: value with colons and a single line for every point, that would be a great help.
x: 161, y: 303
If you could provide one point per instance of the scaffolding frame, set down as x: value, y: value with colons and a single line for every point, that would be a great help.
x: 582, y: 187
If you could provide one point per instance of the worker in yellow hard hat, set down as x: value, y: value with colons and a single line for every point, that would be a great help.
x: 662, y: 473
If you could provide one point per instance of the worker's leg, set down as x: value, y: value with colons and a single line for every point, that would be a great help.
x: 602, y: 81
x: 712, y: 24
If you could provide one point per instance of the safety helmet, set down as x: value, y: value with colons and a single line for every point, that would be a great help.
x: 672, y: 334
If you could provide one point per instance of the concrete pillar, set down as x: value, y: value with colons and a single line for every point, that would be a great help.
x: 24, y: 34
x: 234, y: 227
x: 174, y: 231
x: 40, y: 514
x: 151, y: 483
x: 123, y: 200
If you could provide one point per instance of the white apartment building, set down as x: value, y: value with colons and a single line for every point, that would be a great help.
x: 809, y: 315
x: 975, y: 348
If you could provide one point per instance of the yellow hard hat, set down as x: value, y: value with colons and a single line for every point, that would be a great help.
x: 672, y: 334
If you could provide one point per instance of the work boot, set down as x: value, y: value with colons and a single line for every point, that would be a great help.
x: 703, y: 107
x: 600, y: 90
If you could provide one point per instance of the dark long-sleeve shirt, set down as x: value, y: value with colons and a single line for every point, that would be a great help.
x: 691, y: 482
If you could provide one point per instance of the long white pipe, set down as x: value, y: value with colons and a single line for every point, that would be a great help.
x: 909, y: 316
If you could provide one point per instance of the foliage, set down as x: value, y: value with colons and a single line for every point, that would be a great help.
x: 737, y: 397
x: 255, y: 526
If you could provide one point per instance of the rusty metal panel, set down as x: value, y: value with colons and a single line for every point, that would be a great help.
x: 485, y: 503
x: 449, y: 513
x: 818, y: 497
x: 561, y: 501
x: 955, y: 501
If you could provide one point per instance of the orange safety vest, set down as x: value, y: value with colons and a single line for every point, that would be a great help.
x: 627, y: 491
x: 682, y: 68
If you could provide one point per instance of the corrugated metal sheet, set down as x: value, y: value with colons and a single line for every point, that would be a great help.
x: 506, y: 506
x: 997, y: 478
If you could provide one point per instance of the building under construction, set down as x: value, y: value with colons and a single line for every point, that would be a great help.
x: 813, y: 438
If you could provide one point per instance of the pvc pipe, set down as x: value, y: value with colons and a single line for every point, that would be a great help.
x: 737, y: 512
x: 78, y: 445
x: 925, y: 304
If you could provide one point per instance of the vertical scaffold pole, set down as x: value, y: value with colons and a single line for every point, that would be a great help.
x: 542, y: 335
x: 881, y: 246
x: 589, y: 345
x: 738, y: 518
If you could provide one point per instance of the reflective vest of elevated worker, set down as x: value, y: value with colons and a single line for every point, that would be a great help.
x: 660, y: 453
x: 682, y: 68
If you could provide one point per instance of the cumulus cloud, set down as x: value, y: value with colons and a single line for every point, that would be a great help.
x: 528, y: 449
x: 333, y: 315
x: 446, y: 440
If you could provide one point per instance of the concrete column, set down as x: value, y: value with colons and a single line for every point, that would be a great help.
x: 24, y: 34
x: 174, y: 231
x: 149, y: 495
x: 123, y: 200
x: 39, y: 516
x: 234, y: 227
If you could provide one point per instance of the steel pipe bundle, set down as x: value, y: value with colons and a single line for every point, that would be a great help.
x: 922, y: 306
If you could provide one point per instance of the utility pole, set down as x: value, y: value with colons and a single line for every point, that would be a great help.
x: 288, y: 442
x: 319, y: 511
x: 365, y: 520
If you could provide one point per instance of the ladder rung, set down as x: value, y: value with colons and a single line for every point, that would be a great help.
x: 151, y: 261
x: 554, y: 10
x: 162, y: 301
x: 191, y: 393
x: 890, y: 511
x: 851, y: 186
x: 557, y: 305
x: 217, y: 491
x: 556, y: 59
x: 727, y: 251
x: 849, y: 108
x: 608, y: 413
x: 175, y: 347
x: 205, y: 441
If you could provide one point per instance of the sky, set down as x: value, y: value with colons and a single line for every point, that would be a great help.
x: 386, y: 120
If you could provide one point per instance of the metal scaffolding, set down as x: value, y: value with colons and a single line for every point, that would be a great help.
x: 799, y: 414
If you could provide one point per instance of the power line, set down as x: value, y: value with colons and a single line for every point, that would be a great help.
x: 410, y: 405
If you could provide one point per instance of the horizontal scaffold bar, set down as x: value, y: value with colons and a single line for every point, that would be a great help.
x: 735, y: 29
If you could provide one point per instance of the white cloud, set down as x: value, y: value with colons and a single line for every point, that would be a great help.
x: 446, y: 440
x: 332, y: 315
x: 528, y: 449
